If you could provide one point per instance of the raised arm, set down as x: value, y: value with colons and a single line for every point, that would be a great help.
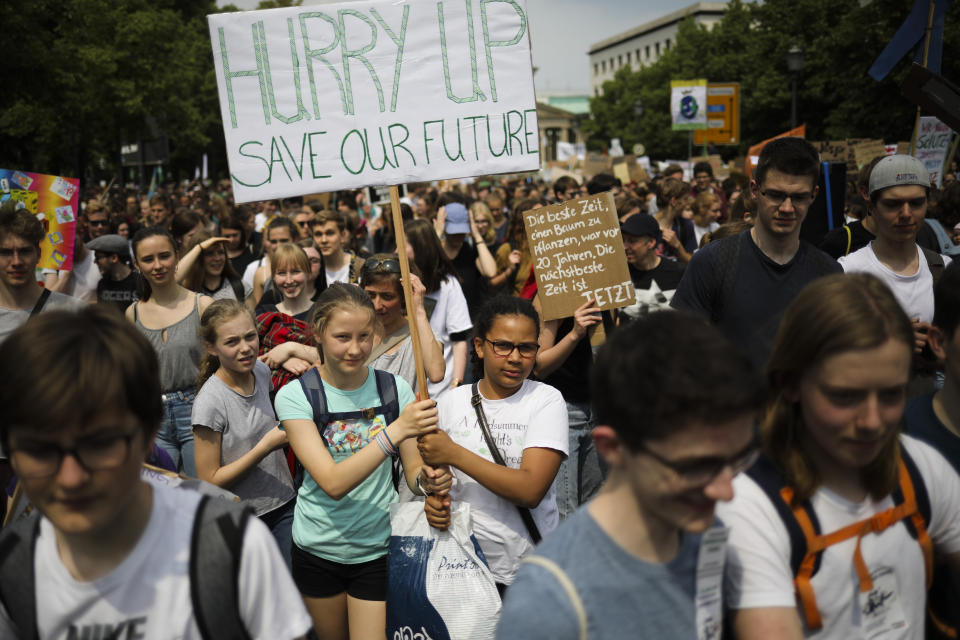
x: 207, y: 451
x: 553, y: 354
x: 432, y: 349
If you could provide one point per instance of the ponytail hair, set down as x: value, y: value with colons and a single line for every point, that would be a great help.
x: 217, y: 313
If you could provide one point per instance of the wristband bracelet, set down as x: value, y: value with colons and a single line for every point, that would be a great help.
x: 382, y: 446
x: 387, y: 436
x: 384, y: 443
x: 420, y: 486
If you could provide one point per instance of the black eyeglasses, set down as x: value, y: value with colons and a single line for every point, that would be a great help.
x: 704, y: 470
x: 503, y: 348
x: 96, y: 453
x: 390, y: 264
x: 779, y: 197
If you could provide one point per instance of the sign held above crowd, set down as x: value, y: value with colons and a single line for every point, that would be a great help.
x: 348, y: 95
x: 578, y: 255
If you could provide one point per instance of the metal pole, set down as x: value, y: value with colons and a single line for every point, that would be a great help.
x: 793, y: 101
x: 926, y: 55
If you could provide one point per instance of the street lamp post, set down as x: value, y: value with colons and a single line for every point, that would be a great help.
x: 795, y: 66
x: 638, y: 112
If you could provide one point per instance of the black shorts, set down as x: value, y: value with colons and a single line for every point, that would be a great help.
x: 319, y: 578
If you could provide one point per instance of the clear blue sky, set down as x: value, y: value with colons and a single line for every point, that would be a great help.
x: 563, y: 30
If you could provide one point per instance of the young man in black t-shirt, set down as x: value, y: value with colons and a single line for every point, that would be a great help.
x: 655, y: 279
x: 118, y: 282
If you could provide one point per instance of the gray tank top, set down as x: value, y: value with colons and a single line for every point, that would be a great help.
x: 180, y: 353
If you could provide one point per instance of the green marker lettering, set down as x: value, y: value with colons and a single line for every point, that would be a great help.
x: 343, y: 144
x: 443, y: 136
x: 313, y: 166
x: 383, y: 147
x: 277, y: 156
x: 473, y: 126
x: 399, y: 41
x: 346, y: 54
x: 513, y: 132
x: 503, y: 150
x: 427, y: 138
x: 252, y: 155
x: 229, y: 75
x: 489, y: 44
x: 477, y: 93
x: 394, y: 145
x: 319, y: 54
x: 527, y: 133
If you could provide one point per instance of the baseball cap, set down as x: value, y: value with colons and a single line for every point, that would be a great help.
x: 110, y: 243
x: 458, y: 220
x: 896, y: 171
x: 641, y: 224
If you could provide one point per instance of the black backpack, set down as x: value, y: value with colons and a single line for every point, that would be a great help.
x: 322, y: 416
x: 215, y: 548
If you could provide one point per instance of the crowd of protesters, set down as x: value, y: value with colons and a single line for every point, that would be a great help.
x: 767, y: 445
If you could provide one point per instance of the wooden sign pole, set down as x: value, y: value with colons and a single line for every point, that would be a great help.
x: 401, y: 239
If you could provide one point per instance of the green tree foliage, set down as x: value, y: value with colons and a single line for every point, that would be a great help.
x: 81, y: 76
x: 837, y: 99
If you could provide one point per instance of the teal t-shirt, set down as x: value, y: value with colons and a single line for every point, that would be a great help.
x: 355, y: 528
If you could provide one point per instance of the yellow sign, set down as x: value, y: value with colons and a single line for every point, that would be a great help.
x: 723, y: 115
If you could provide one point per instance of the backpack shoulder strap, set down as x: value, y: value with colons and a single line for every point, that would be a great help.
x: 769, y: 478
x: 568, y: 588
x: 18, y: 589
x: 934, y: 262
x: 912, y: 488
x: 390, y: 407
x: 389, y: 398
x: 312, y: 387
x: 237, y: 285
x: 216, y: 548
x: 846, y: 228
x: 41, y: 302
x: 728, y: 257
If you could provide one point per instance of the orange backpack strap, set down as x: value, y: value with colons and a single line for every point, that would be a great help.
x: 911, y: 504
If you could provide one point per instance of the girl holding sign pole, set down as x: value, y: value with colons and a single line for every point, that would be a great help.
x: 505, y: 437
x: 345, y: 422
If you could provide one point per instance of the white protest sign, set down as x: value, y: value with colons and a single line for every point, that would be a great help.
x: 338, y: 96
x: 688, y: 104
x: 933, y: 140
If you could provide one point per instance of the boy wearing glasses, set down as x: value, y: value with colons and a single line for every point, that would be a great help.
x: 744, y: 283
x: 111, y: 556
x: 899, y: 186
x: 20, y: 297
x: 643, y: 559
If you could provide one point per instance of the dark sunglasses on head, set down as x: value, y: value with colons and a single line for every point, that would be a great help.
x: 375, y: 264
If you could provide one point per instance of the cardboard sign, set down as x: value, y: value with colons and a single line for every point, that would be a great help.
x: 53, y: 199
x: 578, y: 254
x: 347, y: 95
x: 831, y: 150
x: 865, y: 152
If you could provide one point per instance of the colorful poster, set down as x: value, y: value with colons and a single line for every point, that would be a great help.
x: 53, y: 199
x: 688, y: 104
x: 374, y: 92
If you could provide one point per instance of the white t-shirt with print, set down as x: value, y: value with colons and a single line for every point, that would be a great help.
x: 758, y: 572
x: 450, y: 315
x: 913, y: 292
x: 148, y: 594
x: 535, y: 416
x: 342, y: 274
